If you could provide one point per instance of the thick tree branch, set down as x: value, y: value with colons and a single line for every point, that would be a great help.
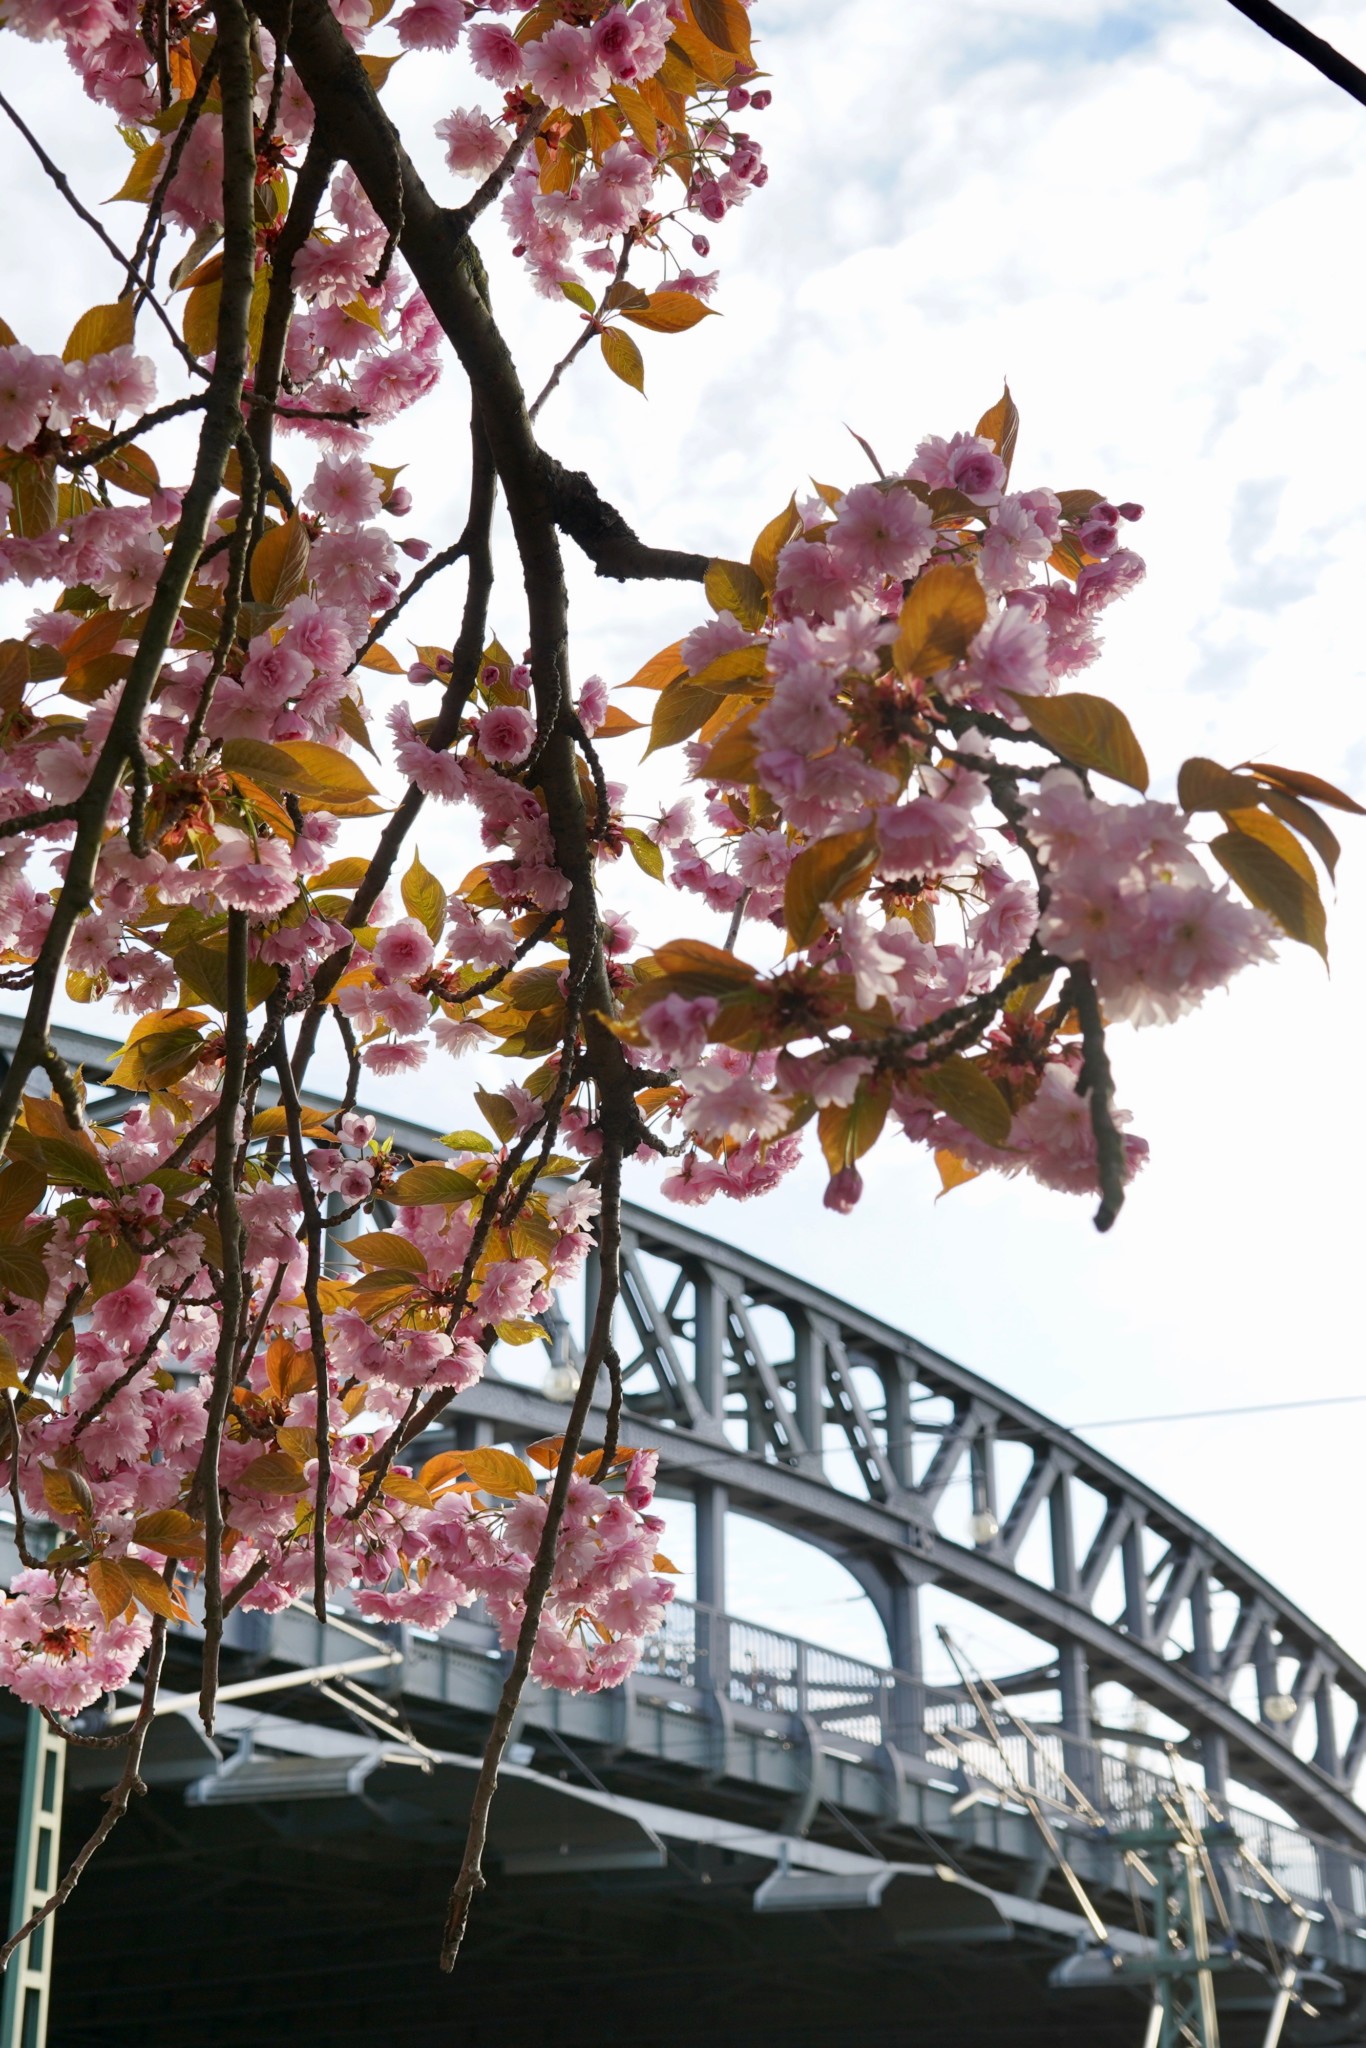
x: 579, y: 510
x: 1295, y: 36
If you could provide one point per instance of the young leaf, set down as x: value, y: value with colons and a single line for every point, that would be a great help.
x: 623, y: 358
x: 279, y: 563
x: 152, y: 1591
x: 660, y: 670
x: 199, y: 321
x: 947, y: 607
x: 1204, y: 786
x: 272, y: 1472
x: 578, y: 294
x: 171, y: 1531
x: 1090, y: 732
x: 1274, y: 886
x: 498, y: 1472
x: 1299, y: 784
x: 1257, y: 825
x: 66, y: 1493
x: 1001, y: 426
x: 682, y: 710
x: 111, y: 1586
x: 387, y: 1248
x: 644, y: 851
x: 425, y: 899
x: 1308, y: 824
x: 763, y: 558
x: 735, y: 587
x: 827, y: 872
x: 667, y: 313
x: 101, y: 329
x: 433, y: 1183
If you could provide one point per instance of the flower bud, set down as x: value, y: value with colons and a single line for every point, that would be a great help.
x: 844, y: 1190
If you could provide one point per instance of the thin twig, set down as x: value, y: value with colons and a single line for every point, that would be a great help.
x: 206, y: 1484
x: 60, y: 180
x: 313, y: 1242
x: 470, y: 1879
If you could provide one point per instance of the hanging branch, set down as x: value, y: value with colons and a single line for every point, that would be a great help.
x: 470, y: 1880
x: 222, y: 424
x: 231, y: 1300
x: 313, y: 1229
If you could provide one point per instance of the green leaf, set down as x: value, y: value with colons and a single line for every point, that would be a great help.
x: 387, y: 1248
x: 499, y: 1113
x: 110, y: 1263
x: 1090, y: 732
x: 1274, y: 886
x: 644, y: 851
x: 623, y: 358
x: 578, y: 294
x: 970, y: 1097
x: 22, y: 1271
x: 431, y: 1182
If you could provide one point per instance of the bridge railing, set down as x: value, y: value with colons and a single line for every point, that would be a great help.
x: 766, y: 1672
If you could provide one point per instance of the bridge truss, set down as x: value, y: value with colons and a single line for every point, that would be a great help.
x: 769, y: 1397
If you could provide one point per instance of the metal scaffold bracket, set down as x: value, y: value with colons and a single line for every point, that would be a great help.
x: 28, y: 1979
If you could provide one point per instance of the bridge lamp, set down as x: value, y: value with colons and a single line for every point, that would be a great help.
x: 983, y: 1527
x: 1280, y: 1708
x: 561, y: 1381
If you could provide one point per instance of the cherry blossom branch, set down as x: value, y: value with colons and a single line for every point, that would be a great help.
x: 224, y: 1181
x: 470, y: 1879
x: 614, y: 548
x: 1097, y: 1084
x: 152, y: 218
x: 222, y: 424
x: 484, y: 195
x: 465, y: 659
x: 313, y: 1243
x: 592, y: 325
x: 309, y: 187
x: 102, y: 450
x: 60, y: 180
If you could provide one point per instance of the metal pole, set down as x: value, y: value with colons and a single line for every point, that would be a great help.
x: 37, y: 1847
x: 1153, y: 2036
x: 1276, y: 2023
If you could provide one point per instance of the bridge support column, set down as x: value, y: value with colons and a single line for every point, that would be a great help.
x: 710, y: 1502
x: 1074, y: 1690
x: 906, y: 1704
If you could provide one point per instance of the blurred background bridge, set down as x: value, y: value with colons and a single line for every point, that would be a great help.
x: 758, y: 1837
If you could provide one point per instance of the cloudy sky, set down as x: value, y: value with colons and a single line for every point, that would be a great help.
x: 1149, y: 219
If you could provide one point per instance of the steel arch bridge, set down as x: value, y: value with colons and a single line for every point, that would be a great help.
x: 769, y: 1397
